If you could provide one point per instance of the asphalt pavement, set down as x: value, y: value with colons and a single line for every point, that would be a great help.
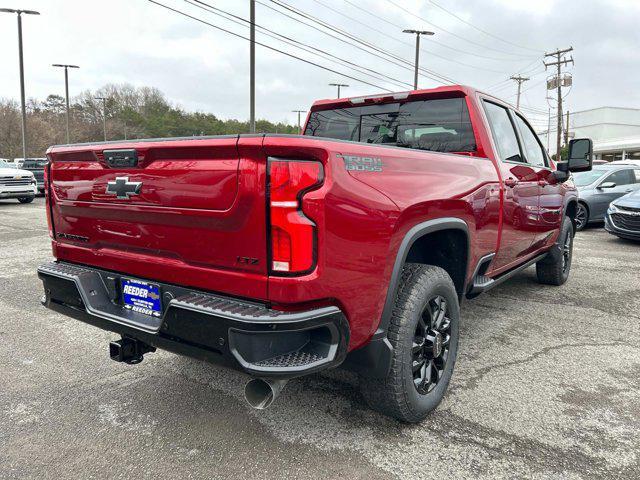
x: 547, y: 385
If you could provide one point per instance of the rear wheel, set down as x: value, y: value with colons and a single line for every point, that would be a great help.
x: 26, y: 199
x: 423, y: 332
x: 582, y: 216
x: 555, y: 267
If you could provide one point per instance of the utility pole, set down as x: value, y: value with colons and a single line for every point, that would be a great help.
x: 104, y: 116
x: 520, y: 80
x: 299, y: 112
x: 566, y: 131
x: 559, y: 63
x: 417, y: 62
x: 338, y: 85
x: 252, y: 66
x: 66, y: 88
x: 21, y: 60
x: 548, y: 126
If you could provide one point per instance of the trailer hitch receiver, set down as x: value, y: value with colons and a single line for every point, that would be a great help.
x: 129, y: 350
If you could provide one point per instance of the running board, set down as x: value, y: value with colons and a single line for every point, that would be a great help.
x: 483, y: 283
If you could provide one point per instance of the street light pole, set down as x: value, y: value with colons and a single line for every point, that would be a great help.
x: 20, y: 55
x: 338, y: 85
x: 66, y: 88
x: 417, y: 34
x: 104, y: 116
x: 299, y: 112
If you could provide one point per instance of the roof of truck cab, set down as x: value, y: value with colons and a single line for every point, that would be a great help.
x: 384, y: 97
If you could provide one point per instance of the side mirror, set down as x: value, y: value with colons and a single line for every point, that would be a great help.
x: 607, y: 185
x: 580, y: 159
x: 580, y: 155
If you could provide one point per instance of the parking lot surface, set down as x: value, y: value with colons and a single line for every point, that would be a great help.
x: 547, y: 385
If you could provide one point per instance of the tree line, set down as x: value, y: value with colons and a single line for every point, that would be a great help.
x: 131, y: 112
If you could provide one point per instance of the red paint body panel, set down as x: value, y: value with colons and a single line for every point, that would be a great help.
x: 203, y: 206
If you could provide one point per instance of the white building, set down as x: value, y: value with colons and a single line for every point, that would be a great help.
x: 615, y: 132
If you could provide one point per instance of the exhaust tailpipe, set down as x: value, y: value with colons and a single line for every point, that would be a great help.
x: 261, y: 392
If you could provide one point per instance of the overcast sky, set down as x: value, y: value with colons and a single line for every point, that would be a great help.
x: 200, y: 68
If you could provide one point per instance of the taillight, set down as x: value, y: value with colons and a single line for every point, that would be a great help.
x: 48, y: 199
x: 293, y: 235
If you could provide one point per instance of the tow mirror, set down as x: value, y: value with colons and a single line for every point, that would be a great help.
x: 580, y: 155
x: 580, y: 159
x: 607, y: 185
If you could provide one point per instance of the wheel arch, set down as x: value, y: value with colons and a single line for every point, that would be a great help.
x: 571, y: 209
x: 374, y: 359
x: 452, y: 233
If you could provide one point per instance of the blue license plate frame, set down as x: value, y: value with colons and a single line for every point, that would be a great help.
x: 141, y: 296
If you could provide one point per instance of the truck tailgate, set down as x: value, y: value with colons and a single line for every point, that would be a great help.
x: 192, y: 211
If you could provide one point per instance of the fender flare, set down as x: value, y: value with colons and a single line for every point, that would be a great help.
x: 374, y: 359
x: 416, y: 232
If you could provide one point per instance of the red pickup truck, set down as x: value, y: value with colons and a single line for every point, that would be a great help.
x: 283, y: 255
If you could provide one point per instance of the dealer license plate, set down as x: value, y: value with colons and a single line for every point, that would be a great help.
x: 142, y: 297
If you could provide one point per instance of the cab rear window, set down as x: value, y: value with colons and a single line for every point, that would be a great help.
x: 441, y: 125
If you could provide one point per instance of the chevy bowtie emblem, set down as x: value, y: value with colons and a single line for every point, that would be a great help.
x: 121, y: 187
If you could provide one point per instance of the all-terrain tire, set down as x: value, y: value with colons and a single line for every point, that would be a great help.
x: 397, y: 395
x: 555, y: 267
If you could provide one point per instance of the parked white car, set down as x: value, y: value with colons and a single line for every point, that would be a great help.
x: 627, y: 162
x: 17, y: 183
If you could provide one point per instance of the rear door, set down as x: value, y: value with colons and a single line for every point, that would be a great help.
x: 189, y: 211
x: 520, y: 190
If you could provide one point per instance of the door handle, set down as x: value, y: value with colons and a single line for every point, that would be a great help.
x: 629, y: 190
x: 510, y: 182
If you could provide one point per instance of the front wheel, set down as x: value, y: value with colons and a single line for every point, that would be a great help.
x: 582, y: 217
x: 555, y: 267
x: 423, y: 332
x: 26, y: 199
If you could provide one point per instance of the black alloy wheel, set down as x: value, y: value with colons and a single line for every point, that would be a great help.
x: 430, y: 349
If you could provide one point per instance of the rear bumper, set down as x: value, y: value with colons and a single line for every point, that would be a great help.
x: 239, y: 334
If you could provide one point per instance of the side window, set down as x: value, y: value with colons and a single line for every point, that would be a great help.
x: 532, y: 149
x: 621, y: 177
x: 637, y: 175
x: 503, y: 133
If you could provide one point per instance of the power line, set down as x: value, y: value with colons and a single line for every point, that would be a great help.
x: 426, y: 72
x: 341, y: 39
x: 431, y: 40
x: 559, y: 63
x: 480, y: 29
x: 268, y: 46
x: 295, y: 43
x: 455, y: 34
x: 403, y: 42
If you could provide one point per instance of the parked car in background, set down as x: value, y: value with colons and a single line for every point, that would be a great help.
x: 36, y: 166
x: 17, y: 183
x: 602, y: 185
x: 623, y: 216
x: 626, y: 162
